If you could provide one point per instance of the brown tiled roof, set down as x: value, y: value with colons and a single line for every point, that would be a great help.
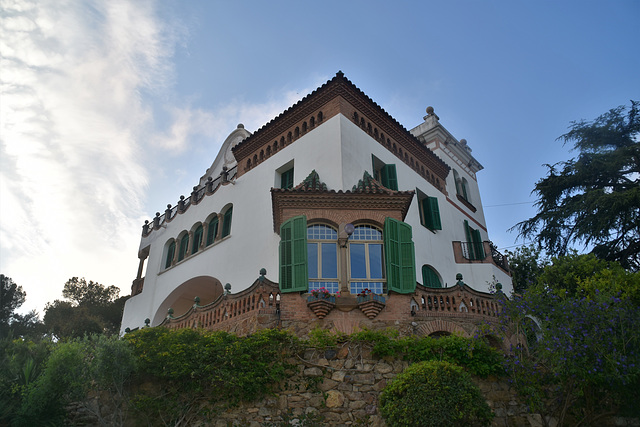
x: 338, y: 87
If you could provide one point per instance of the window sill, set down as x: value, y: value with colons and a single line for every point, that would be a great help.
x: 466, y: 203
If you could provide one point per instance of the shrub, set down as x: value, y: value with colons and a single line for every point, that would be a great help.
x: 437, y: 393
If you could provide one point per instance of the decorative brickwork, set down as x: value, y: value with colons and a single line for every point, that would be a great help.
x: 367, y: 202
x: 340, y: 96
x: 427, y: 311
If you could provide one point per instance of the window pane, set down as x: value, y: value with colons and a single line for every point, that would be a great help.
x: 312, y: 257
x: 358, y: 261
x: 329, y: 261
x: 375, y: 261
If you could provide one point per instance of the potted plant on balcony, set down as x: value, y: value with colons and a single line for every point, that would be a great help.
x: 370, y: 303
x: 321, y: 302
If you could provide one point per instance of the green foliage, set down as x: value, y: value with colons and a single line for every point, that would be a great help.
x: 526, y: 265
x: 27, y: 325
x: 385, y: 343
x: 585, y: 352
x: 474, y: 354
x: 437, y: 393
x: 91, y: 293
x: 92, y: 309
x: 11, y: 297
x: 593, y: 198
x: 197, y: 366
x: 63, y: 380
x: 21, y: 363
x: 579, y: 276
x: 323, y: 338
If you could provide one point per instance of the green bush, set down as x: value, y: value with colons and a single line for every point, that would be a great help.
x: 434, y: 393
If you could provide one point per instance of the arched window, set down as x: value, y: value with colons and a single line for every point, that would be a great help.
x: 226, y: 222
x: 366, y: 262
x: 171, y: 252
x: 465, y: 190
x: 322, y: 256
x: 212, y: 230
x: 458, y: 183
x: 430, y: 277
x: 197, y: 239
x: 305, y: 260
x: 184, y: 245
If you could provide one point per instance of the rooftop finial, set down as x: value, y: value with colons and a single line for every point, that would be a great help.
x: 431, y: 113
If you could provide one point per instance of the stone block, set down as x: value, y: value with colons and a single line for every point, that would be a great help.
x: 380, y: 385
x: 327, y: 384
x: 344, y: 387
x: 334, y: 399
x: 343, y: 352
x: 370, y: 398
x: 354, y: 395
x: 357, y: 404
x: 282, y: 402
x: 364, y: 378
x: 313, y: 372
x: 383, y: 368
x: 338, y: 376
x: 535, y: 420
x: 322, y: 362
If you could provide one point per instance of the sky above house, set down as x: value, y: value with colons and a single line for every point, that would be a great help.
x: 110, y: 110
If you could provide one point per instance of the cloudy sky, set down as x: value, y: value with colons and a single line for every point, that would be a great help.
x: 109, y: 110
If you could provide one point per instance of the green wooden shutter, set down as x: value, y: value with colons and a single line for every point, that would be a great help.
x: 197, y: 240
x: 226, y: 222
x: 435, y: 213
x: 400, y: 257
x: 286, y: 179
x: 431, y: 213
x: 212, y: 231
x: 389, y: 177
x: 293, y: 255
x: 184, y: 244
x: 477, y: 242
x: 470, y: 245
x: 430, y: 278
x: 424, y: 212
x: 171, y: 252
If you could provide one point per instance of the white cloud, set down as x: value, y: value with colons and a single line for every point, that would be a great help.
x: 72, y: 177
x: 78, y: 140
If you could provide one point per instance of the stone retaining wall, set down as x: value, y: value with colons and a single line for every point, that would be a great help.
x: 341, y: 387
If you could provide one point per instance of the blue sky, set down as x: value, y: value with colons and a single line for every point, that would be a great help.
x: 111, y: 109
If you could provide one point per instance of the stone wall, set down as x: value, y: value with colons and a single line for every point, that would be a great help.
x: 341, y: 387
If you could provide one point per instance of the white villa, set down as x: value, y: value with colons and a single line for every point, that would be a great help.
x: 332, y: 193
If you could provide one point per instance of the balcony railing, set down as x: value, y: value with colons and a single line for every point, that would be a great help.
x: 479, y: 252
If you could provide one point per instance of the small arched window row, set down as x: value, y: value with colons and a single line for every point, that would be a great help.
x: 200, y: 237
x: 284, y: 140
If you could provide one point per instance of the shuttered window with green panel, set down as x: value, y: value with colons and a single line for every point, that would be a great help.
x: 400, y: 256
x: 293, y: 255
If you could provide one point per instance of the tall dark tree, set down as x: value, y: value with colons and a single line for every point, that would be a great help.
x: 89, y: 293
x: 593, y: 199
x: 90, y: 308
x: 11, y: 297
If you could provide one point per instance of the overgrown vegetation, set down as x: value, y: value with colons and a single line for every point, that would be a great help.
x: 434, y: 393
x: 578, y: 357
x: 199, y: 369
x: 180, y: 377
